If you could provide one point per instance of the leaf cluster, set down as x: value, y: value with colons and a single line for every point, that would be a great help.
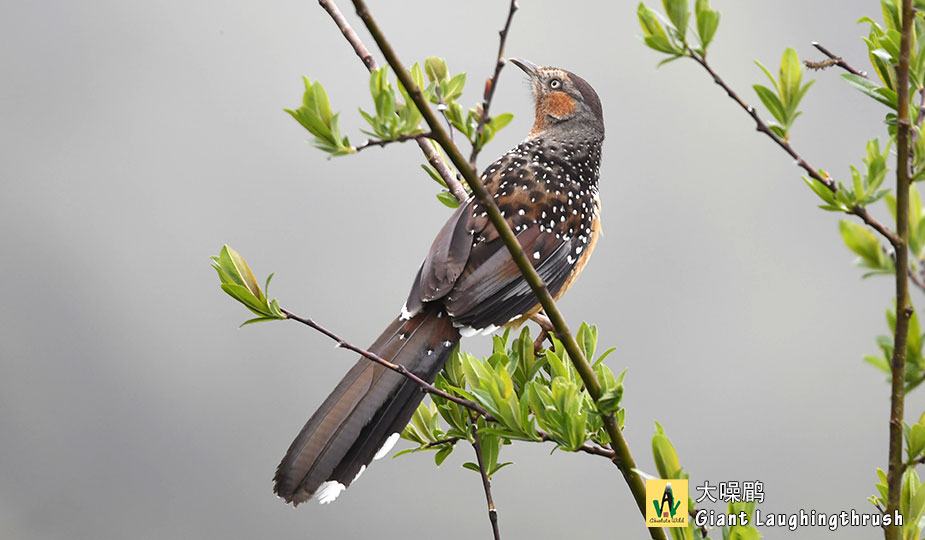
x: 392, y: 118
x: 782, y: 102
x: 864, y: 188
x: 883, y: 50
x: 911, y: 501
x: 531, y: 396
x: 915, y: 360
x: 669, y: 34
x: 315, y: 115
x: 239, y: 282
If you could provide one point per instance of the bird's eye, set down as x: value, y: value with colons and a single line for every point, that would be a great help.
x: 555, y: 83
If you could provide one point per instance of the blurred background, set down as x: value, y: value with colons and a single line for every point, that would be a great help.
x: 139, y: 137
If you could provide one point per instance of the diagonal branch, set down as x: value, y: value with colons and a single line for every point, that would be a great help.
x: 426, y: 146
x: 623, y: 457
x: 426, y: 387
x: 398, y: 368
x: 490, y: 85
x: 827, y: 181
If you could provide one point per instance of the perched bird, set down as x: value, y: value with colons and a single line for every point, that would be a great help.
x: 547, y: 190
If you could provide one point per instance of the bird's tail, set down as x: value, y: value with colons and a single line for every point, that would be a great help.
x: 363, y: 416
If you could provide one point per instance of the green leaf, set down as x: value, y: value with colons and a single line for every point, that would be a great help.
x: 448, y: 199
x: 500, y: 121
x: 238, y: 281
x: 679, y: 16
x: 662, y: 44
x: 442, y: 454
x: 587, y: 339
x: 791, y: 74
x: 707, y: 22
x: 666, y: 458
x: 655, y: 36
x: 770, y: 77
x: 315, y: 116
x: 771, y: 101
x: 241, y: 294
x: 436, y: 69
x: 883, y: 95
x: 257, y: 320
x: 915, y: 443
x: 433, y: 174
x: 863, y: 242
x: 454, y: 87
x: 879, y: 362
x: 610, y: 400
x: 825, y: 194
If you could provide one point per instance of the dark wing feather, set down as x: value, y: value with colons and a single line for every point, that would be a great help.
x: 445, y: 261
x: 495, y: 293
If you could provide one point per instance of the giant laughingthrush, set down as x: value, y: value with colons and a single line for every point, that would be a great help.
x: 547, y: 190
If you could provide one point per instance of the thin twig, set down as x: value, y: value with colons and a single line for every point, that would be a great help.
x: 486, y: 481
x: 472, y: 406
x: 833, y: 60
x: 546, y: 330
x: 350, y: 34
x: 903, y: 308
x: 490, y: 85
x: 827, y: 181
x: 383, y: 142
x: 623, y: 457
x: 587, y: 448
x: 398, y: 368
x: 452, y: 184
x: 448, y: 440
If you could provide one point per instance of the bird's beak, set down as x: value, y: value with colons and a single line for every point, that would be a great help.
x: 527, y: 66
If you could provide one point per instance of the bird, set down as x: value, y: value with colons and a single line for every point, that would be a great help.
x: 547, y: 190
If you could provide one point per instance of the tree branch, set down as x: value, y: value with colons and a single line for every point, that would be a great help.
x: 448, y: 440
x: 833, y: 61
x: 490, y: 85
x: 903, y: 308
x: 486, y: 482
x: 587, y: 448
x: 546, y: 329
x: 452, y: 184
x: 623, y: 456
x: 858, y: 211
x: 398, y: 368
x: 350, y: 34
x: 383, y: 142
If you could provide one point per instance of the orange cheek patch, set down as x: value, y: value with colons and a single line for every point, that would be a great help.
x: 558, y: 105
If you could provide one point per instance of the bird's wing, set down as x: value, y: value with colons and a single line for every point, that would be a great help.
x: 492, y: 292
x: 470, y: 268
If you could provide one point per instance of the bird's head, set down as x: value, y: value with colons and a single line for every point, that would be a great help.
x: 565, y: 103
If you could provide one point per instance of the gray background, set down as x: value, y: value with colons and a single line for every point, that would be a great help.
x: 137, y: 138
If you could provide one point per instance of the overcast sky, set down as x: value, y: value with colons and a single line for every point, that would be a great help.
x: 139, y: 137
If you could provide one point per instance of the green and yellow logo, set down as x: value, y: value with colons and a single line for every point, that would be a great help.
x: 667, y: 503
